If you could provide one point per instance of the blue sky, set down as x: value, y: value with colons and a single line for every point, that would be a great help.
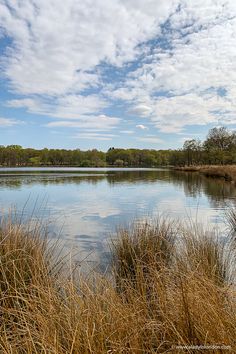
x: 123, y: 73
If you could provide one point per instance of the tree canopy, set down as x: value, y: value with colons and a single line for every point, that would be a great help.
x: 218, y: 148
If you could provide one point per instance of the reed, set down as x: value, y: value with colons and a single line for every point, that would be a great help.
x: 226, y: 172
x: 170, y: 287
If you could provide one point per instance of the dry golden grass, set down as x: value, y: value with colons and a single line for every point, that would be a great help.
x: 227, y: 172
x: 191, y: 168
x: 170, y: 287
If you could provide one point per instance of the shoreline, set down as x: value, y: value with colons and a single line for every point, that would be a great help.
x: 226, y: 172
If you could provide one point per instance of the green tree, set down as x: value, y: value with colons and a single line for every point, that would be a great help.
x: 192, y: 150
x: 220, y: 144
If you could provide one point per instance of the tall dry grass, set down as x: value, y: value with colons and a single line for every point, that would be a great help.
x: 170, y: 287
x: 226, y: 172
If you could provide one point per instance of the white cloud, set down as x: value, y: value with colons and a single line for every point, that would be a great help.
x: 7, y: 122
x: 127, y: 132
x: 60, y: 52
x: 67, y: 107
x: 141, y: 126
x: 57, y: 45
x: 101, y: 122
x: 141, y: 110
x: 198, y: 62
x: 80, y: 109
x: 94, y: 136
x: 151, y: 140
x: 174, y: 113
x: 57, y: 48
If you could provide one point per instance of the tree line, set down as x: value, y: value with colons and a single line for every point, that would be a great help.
x: 218, y: 148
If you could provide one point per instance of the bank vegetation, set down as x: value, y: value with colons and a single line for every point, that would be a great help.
x: 169, y: 286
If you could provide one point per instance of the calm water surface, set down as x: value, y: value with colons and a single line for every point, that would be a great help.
x: 87, y: 205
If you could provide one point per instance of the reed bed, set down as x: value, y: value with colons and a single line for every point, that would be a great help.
x: 226, y: 172
x: 171, y: 290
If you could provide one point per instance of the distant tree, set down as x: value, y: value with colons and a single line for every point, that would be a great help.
x: 220, y: 144
x: 220, y: 138
x: 15, y: 147
x: 192, y: 149
x: 35, y: 161
x: 119, y: 163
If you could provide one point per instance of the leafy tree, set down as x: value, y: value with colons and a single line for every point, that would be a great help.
x: 119, y: 163
x: 219, y: 143
x: 35, y: 161
x: 192, y: 149
x: 220, y: 138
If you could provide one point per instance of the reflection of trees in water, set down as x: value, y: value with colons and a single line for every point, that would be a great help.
x: 140, y: 176
x: 193, y: 184
x: 10, y: 183
x: 220, y: 192
x: 13, y: 182
x: 113, y: 178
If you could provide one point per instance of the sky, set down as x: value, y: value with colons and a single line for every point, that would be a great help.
x: 115, y: 73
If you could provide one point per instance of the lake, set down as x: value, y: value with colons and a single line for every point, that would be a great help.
x: 85, y: 206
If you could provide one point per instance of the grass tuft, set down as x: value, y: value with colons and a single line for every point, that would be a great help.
x: 171, y: 287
